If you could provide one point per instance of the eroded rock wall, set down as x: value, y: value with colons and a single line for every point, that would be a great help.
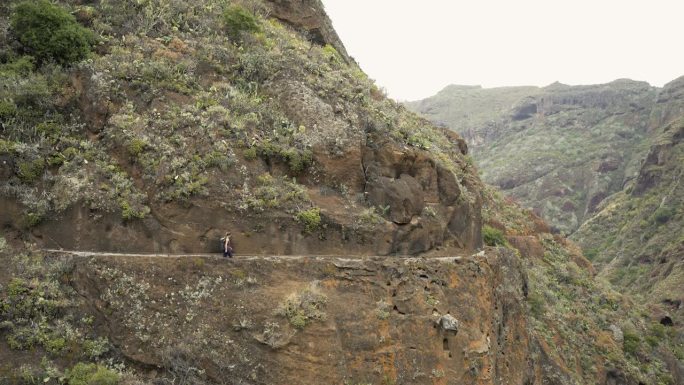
x: 313, y: 321
x: 308, y: 16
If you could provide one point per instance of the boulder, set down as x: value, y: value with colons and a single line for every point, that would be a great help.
x: 448, y: 322
x: 404, y: 196
x: 618, y: 336
x: 449, y: 190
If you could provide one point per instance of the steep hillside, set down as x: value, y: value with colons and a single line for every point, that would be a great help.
x: 637, y: 237
x: 190, y: 119
x: 560, y: 150
x: 580, y: 320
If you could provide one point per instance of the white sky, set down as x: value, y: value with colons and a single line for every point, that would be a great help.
x: 415, y: 48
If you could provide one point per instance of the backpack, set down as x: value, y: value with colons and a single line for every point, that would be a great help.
x: 223, y: 240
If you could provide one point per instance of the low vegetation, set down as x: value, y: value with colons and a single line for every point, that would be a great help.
x: 581, y: 140
x: 91, y: 374
x: 304, y: 307
x: 39, y: 314
x: 639, y: 232
x: 186, y: 103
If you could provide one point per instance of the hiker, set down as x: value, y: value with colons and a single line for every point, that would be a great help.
x: 227, y: 246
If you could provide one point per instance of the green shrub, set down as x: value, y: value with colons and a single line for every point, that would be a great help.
x: 6, y: 146
x: 29, y: 171
x: 136, y: 147
x: 303, y: 307
x: 331, y: 54
x: 21, y: 66
x: 22, y: 338
x: 298, y: 320
x: 56, y: 159
x: 536, y: 303
x: 250, y: 153
x: 592, y: 253
x: 238, y: 20
x: 663, y: 214
x: 298, y: 161
x: 129, y: 211
x: 369, y: 218
x: 219, y: 160
x: 95, y: 348
x: 33, y: 219
x: 658, y: 330
x: 492, y: 236
x: 311, y: 219
x: 49, y: 129
x: 91, y: 374
x: 69, y: 153
x: 55, y: 345
x: 25, y: 301
x: 50, y: 33
x: 631, y: 343
x: 7, y: 109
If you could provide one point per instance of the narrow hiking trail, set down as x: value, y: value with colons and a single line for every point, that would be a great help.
x: 249, y: 257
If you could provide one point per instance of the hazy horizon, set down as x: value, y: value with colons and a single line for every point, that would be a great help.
x: 415, y: 50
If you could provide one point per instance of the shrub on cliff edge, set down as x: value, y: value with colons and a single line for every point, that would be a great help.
x: 311, y: 219
x: 492, y: 236
x: 238, y: 20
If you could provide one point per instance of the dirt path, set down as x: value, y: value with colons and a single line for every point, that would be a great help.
x: 75, y: 253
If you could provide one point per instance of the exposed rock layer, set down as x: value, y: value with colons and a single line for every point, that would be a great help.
x: 379, y: 318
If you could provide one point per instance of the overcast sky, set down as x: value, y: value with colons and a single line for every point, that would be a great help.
x: 415, y: 48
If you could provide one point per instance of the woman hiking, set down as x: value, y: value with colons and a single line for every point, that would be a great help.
x: 227, y: 246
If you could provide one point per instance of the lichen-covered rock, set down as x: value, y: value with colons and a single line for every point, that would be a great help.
x: 448, y: 322
x: 618, y: 336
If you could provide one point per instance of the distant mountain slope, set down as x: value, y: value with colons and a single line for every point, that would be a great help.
x: 469, y: 109
x: 637, y: 235
x: 559, y: 149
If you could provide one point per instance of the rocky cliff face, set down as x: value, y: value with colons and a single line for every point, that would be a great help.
x: 308, y: 320
x: 308, y: 17
x: 475, y: 319
x: 560, y: 150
